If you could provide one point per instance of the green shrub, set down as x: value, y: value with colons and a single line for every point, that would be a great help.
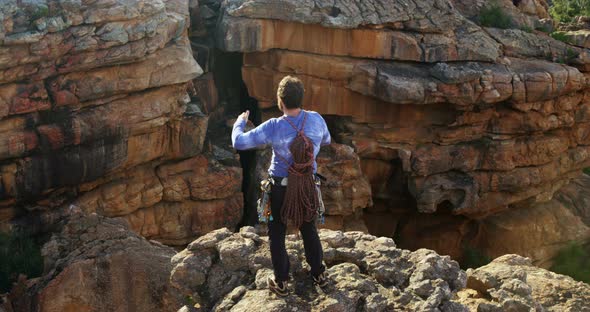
x: 494, y: 16
x: 544, y: 28
x: 587, y: 171
x: 561, y: 36
x: 573, y: 260
x: 191, y: 302
x: 549, y: 57
x: 474, y: 258
x: 566, y: 10
x: 38, y: 11
x: 571, y: 55
x: 568, y: 58
x: 19, y: 254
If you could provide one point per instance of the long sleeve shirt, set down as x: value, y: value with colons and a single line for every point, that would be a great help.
x: 278, y: 133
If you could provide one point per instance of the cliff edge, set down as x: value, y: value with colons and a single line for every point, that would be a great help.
x: 97, y: 263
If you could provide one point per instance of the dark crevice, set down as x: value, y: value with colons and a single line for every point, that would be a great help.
x: 392, y: 202
x: 233, y: 91
x: 335, y: 12
x: 445, y: 207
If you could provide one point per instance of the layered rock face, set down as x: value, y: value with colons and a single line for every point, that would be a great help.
x: 94, y: 112
x: 448, y: 117
x: 541, y: 230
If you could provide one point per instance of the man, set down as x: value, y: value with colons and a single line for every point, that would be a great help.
x: 296, y: 125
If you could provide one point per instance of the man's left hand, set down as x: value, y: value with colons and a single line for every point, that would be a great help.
x: 245, y: 115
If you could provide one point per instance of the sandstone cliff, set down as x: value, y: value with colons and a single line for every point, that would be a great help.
x: 448, y: 134
x: 95, y: 114
x: 467, y: 123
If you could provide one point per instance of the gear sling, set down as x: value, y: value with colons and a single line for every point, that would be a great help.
x: 298, y: 206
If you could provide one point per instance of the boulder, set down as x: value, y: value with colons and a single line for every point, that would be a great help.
x: 96, y: 263
x: 512, y: 283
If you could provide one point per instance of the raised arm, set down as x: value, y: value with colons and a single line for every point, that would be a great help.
x: 256, y: 137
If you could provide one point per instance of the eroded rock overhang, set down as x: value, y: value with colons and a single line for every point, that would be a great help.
x: 480, y: 118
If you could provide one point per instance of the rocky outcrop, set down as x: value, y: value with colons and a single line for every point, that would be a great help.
x: 512, y: 283
x: 95, y: 112
x: 447, y: 116
x: 476, y: 142
x: 580, y: 38
x: 368, y: 273
x: 98, y: 264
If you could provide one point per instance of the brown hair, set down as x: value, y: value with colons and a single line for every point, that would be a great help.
x: 290, y: 92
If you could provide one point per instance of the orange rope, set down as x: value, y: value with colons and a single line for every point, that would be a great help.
x: 300, y: 201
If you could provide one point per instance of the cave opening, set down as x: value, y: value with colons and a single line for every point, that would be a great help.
x: 395, y: 214
x: 235, y: 99
x: 391, y: 197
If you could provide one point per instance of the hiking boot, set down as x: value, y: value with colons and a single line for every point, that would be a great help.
x: 321, y: 280
x: 279, y: 288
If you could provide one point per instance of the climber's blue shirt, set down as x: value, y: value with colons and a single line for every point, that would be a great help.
x: 278, y: 133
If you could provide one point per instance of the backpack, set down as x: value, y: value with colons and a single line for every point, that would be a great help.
x: 301, y: 198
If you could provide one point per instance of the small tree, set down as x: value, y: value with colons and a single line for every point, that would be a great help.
x: 494, y: 16
x: 573, y: 260
x: 474, y: 258
x: 19, y: 254
x: 566, y: 10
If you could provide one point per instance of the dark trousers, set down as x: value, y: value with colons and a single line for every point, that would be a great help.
x: 276, y: 233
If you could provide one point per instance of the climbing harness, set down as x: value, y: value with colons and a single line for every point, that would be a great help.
x: 321, y: 207
x: 263, y: 203
x: 263, y: 207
